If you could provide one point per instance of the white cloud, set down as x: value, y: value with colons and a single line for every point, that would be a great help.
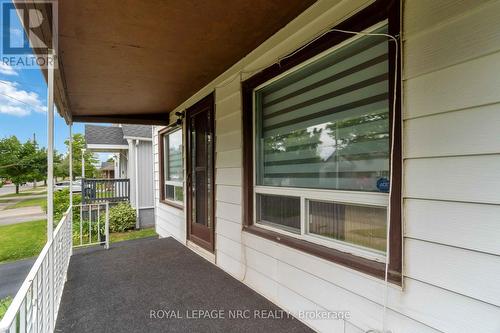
x: 7, y: 69
x: 17, y: 102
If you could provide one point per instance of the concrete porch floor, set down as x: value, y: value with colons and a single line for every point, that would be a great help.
x: 116, y: 290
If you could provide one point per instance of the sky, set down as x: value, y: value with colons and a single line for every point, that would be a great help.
x: 23, y: 101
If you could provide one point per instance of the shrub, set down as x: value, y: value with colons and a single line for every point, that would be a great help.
x: 61, y: 203
x: 122, y: 217
x: 85, y: 232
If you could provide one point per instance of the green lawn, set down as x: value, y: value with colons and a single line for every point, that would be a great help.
x: 22, y: 240
x: 4, y: 305
x: 132, y: 234
x: 29, y: 203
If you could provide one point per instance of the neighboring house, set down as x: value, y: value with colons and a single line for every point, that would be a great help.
x: 131, y: 147
x: 107, y: 169
x: 305, y: 156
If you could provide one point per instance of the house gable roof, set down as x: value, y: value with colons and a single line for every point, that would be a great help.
x: 104, y: 135
x: 137, y: 131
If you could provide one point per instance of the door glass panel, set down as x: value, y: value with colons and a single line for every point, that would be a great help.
x: 200, y: 168
x: 209, y: 141
x: 193, y: 170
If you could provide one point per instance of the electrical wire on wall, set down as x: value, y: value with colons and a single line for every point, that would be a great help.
x: 394, y: 39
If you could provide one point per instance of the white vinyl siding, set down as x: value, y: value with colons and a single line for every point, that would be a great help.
x: 451, y: 207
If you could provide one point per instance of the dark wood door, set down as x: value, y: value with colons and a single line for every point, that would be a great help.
x: 200, y: 138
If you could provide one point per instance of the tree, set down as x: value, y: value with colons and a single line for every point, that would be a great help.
x: 61, y: 166
x: 90, y: 159
x: 39, y: 164
x: 18, y: 162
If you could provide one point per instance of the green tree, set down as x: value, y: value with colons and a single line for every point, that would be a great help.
x: 39, y: 160
x: 61, y: 166
x: 17, y: 160
x: 90, y: 159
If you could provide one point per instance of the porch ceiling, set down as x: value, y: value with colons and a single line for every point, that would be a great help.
x: 133, y: 61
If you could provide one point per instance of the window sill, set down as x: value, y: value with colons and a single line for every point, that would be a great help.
x: 370, y: 267
x: 172, y: 204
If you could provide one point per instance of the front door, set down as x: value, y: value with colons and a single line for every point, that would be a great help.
x: 200, y: 173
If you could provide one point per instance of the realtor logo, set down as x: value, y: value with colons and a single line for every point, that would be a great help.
x: 29, y: 31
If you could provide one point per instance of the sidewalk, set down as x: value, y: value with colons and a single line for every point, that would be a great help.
x: 25, y: 197
x: 19, y: 215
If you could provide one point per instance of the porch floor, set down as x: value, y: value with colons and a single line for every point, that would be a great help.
x: 116, y: 290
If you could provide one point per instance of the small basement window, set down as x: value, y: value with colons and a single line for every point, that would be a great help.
x: 172, y: 190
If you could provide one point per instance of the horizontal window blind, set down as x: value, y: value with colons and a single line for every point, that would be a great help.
x: 326, y: 125
x: 174, y: 169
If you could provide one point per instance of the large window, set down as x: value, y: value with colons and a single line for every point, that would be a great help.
x: 321, y: 147
x: 172, y: 191
x: 325, y: 125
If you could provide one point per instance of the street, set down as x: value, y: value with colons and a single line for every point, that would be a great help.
x: 11, y: 188
x: 12, y: 275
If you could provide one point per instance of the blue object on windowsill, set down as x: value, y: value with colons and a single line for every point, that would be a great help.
x: 383, y: 185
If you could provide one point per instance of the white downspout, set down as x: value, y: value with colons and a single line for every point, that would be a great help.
x: 136, y: 171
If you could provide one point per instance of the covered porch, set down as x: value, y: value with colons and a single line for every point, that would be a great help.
x: 377, y: 232
x: 154, y: 285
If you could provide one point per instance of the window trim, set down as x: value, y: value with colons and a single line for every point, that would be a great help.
x: 373, y: 14
x: 161, y: 135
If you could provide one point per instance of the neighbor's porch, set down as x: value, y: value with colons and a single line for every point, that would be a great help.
x: 116, y: 290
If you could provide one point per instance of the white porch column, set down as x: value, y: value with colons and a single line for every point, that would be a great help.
x: 136, y: 176
x: 50, y: 147
x: 70, y: 156
x: 50, y: 180
x: 83, y: 163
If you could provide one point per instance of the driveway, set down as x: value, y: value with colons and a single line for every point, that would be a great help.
x: 12, y: 275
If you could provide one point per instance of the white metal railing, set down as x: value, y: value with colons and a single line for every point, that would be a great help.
x: 91, y: 224
x: 35, y: 306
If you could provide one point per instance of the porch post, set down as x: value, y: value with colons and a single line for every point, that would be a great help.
x: 50, y: 180
x: 83, y: 163
x: 70, y: 147
x: 136, y: 176
x: 70, y: 156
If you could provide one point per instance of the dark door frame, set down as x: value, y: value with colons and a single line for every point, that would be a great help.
x: 205, y: 104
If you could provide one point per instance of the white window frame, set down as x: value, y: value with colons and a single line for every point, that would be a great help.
x: 374, y: 199
x: 165, y: 166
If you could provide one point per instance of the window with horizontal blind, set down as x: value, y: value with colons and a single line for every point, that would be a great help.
x: 317, y: 145
x: 325, y: 125
x: 172, y: 191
